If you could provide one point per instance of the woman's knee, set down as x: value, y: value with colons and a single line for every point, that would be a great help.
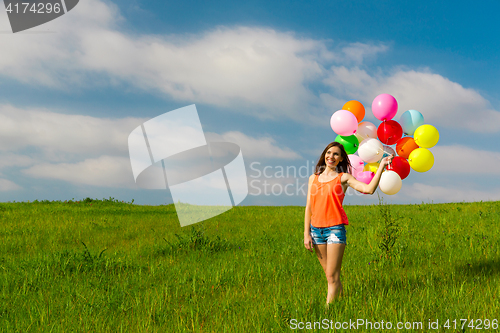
x: 333, y: 279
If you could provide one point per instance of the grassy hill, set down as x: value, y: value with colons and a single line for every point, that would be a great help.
x: 103, y: 265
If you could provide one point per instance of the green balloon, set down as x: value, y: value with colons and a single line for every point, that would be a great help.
x: 350, y: 143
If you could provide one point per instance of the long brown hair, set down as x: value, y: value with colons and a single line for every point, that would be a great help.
x: 344, y: 166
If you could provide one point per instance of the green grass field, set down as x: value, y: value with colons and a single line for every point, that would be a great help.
x: 105, y: 266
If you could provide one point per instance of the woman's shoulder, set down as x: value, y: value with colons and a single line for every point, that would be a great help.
x: 345, y: 177
x: 311, y: 177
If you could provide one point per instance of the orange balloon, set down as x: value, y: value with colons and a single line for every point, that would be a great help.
x: 356, y: 108
x: 405, y: 146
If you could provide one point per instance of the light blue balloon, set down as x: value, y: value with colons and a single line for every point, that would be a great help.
x: 410, y: 120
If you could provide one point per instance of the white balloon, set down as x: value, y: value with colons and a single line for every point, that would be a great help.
x: 370, y: 150
x: 390, y: 182
x: 366, y: 130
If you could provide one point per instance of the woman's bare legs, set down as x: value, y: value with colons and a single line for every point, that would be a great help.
x: 330, y: 257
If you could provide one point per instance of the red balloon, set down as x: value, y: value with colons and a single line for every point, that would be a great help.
x: 400, y: 166
x: 389, y: 132
x: 405, y: 146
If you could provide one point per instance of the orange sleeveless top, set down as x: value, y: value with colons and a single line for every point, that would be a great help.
x: 326, y: 203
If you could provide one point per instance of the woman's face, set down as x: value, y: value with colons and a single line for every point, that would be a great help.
x: 333, y: 157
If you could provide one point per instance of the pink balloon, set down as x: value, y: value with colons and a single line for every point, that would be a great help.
x: 365, y: 177
x: 344, y: 123
x: 357, y: 164
x: 384, y: 107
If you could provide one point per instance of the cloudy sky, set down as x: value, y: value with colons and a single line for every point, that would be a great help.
x: 265, y: 75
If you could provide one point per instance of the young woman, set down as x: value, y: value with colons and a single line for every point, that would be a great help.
x: 325, y: 219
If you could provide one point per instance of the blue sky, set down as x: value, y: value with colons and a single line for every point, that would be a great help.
x: 267, y: 76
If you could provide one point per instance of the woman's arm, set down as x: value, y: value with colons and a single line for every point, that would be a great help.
x: 368, y: 188
x: 307, y: 218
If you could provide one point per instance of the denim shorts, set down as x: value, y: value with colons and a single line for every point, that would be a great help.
x: 329, y: 235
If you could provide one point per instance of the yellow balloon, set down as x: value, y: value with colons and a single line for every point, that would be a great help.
x: 373, y: 167
x: 421, y: 159
x: 426, y: 136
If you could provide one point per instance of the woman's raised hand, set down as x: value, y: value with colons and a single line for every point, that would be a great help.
x: 386, y: 160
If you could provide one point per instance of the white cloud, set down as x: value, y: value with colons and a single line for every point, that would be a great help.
x: 51, y: 59
x: 358, y: 52
x: 7, y: 185
x: 111, y: 171
x: 15, y: 160
x: 105, y: 171
x: 442, y: 102
x: 459, y: 159
x: 88, y: 150
x: 61, y: 134
x: 249, y: 69
x: 226, y: 66
x: 255, y: 148
x: 65, y: 136
x: 450, y: 194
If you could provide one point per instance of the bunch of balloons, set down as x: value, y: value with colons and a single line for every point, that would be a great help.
x: 372, y: 143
